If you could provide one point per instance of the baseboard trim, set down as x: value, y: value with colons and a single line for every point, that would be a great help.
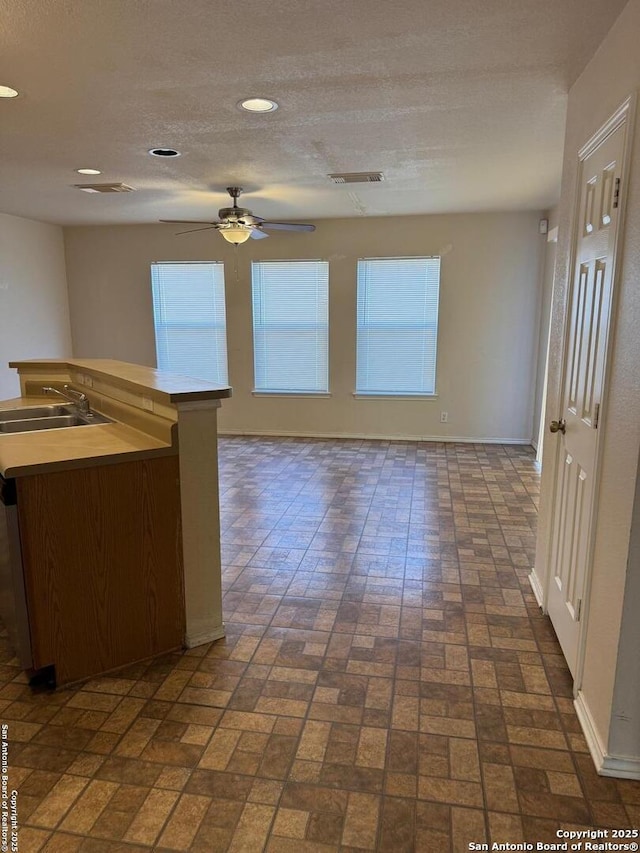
x: 617, y: 766
x: 200, y: 639
x: 620, y: 768
x: 536, y: 586
x: 457, y: 439
x: 592, y: 737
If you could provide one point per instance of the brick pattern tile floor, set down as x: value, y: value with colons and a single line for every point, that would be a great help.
x: 387, y: 681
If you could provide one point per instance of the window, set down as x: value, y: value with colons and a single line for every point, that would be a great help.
x: 291, y: 326
x: 397, y: 325
x: 189, y: 317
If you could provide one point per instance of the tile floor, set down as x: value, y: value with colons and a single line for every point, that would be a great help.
x: 387, y: 682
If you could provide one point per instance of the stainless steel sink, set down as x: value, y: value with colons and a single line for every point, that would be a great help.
x: 35, y: 412
x: 59, y: 418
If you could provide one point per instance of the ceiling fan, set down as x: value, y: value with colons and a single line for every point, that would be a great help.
x: 237, y: 224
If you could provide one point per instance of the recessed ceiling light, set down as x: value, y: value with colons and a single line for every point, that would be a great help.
x: 88, y: 171
x: 258, y: 105
x: 164, y: 152
x: 8, y: 92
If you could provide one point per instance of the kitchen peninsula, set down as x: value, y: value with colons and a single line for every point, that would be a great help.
x: 118, y: 521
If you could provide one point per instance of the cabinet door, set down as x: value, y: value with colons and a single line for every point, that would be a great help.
x: 102, y: 553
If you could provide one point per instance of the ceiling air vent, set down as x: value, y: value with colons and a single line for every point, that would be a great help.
x: 104, y: 188
x: 357, y: 177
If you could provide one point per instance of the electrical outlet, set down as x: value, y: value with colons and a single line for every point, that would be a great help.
x: 444, y: 417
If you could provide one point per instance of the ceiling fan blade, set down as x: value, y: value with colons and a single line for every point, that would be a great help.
x: 257, y: 234
x: 250, y: 219
x: 193, y: 230
x: 188, y: 221
x: 287, y: 226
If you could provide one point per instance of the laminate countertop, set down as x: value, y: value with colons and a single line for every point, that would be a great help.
x: 41, y: 451
x: 157, y: 384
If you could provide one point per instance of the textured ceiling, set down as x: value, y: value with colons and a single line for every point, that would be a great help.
x: 461, y: 103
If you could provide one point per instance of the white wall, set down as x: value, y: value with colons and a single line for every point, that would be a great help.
x: 34, y: 310
x: 488, y: 318
x: 612, y: 75
x: 624, y: 736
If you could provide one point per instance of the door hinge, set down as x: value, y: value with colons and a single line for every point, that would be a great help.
x: 616, y: 194
x: 578, y: 610
x: 596, y: 416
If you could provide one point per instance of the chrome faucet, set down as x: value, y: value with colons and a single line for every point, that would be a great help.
x: 76, y: 398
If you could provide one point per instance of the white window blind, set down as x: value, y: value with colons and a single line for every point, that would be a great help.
x: 190, y: 321
x: 397, y: 325
x: 291, y: 326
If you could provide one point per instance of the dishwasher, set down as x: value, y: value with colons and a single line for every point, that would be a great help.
x: 13, y: 603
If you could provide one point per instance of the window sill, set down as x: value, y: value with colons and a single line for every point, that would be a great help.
x: 309, y: 394
x: 380, y: 395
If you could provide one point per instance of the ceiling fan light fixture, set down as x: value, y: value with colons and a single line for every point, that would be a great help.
x: 258, y: 105
x: 236, y: 233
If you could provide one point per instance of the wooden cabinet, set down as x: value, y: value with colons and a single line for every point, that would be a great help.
x: 102, y: 558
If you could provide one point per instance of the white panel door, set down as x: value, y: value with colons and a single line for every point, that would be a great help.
x: 588, y: 319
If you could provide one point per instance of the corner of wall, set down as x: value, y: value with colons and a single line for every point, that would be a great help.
x: 34, y: 297
x: 624, y: 733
